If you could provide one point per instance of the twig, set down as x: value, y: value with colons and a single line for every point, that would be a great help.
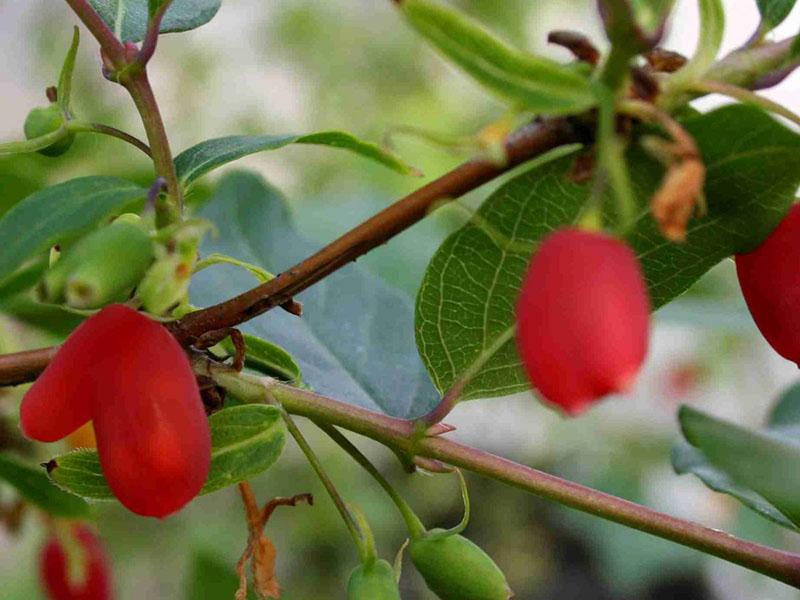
x: 527, y: 143
x: 397, y: 434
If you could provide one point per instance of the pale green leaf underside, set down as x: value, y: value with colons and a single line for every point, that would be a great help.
x: 33, y: 485
x: 531, y: 82
x: 128, y: 18
x: 759, y: 468
x: 211, y: 154
x: 59, y: 212
x: 245, y: 440
x: 467, y: 297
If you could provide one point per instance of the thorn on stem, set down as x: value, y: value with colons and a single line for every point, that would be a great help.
x: 577, y: 43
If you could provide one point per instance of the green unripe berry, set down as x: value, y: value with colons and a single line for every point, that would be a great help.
x: 373, y: 582
x: 454, y: 568
x: 44, y: 120
x: 165, y: 284
x: 101, y: 268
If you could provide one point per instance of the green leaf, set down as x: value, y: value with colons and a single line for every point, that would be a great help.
x: 34, y: 486
x: 267, y: 358
x: 355, y: 340
x: 757, y: 467
x: 59, y: 212
x: 211, y: 154
x: 465, y: 305
x: 245, y: 440
x: 531, y: 82
x: 65, y: 78
x: 774, y: 12
x: 128, y: 18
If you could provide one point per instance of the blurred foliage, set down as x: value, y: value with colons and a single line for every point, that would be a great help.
x: 303, y: 65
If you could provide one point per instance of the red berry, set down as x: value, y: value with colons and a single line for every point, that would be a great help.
x: 770, y: 280
x: 136, y: 383
x: 57, y: 575
x: 582, y: 318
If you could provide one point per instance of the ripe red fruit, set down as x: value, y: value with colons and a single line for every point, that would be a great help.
x: 582, y: 318
x: 133, y: 379
x: 58, y: 576
x: 770, y: 280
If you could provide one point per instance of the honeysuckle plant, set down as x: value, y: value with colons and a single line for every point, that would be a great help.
x: 624, y: 197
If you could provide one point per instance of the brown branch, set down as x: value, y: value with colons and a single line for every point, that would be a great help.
x: 525, y: 144
x: 22, y: 367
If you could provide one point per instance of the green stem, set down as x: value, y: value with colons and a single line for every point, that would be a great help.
x: 139, y: 88
x: 415, y: 527
x: 78, y: 126
x: 398, y: 435
x: 311, y: 457
x: 111, y: 46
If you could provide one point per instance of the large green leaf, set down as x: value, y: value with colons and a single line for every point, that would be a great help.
x: 531, y: 82
x: 245, y: 440
x: 59, y: 212
x: 128, y: 18
x: 211, y: 154
x: 465, y: 306
x: 34, y: 486
x: 759, y: 468
x: 355, y: 339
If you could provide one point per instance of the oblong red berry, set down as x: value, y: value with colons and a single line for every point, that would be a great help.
x: 582, y: 318
x: 769, y: 277
x: 128, y: 374
x: 152, y: 432
x: 58, y: 576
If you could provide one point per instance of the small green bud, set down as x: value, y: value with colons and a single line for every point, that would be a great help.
x: 44, y: 120
x: 165, y: 284
x: 456, y: 569
x: 102, y: 267
x: 373, y: 582
x: 131, y: 218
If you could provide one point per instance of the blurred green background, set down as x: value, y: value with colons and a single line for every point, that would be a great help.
x: 291, y: 66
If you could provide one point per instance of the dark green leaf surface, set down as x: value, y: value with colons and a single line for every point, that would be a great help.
x: 211, y: 154
x: 465, y: 306
x: 245, y: 440
x: 34, y: 486
x: 59, y: 212
x: 531, y: 82
x: 773, y: 12
x: 267, y: 358
x: 212, y: 577
x: 128, y: 18
x: 759, y: 468
x: 355, y: 340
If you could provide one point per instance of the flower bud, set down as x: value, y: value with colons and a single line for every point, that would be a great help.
x: 373, y: 582
x: 131, y: 377
x: 770, y: 282
x: 81, y: 572
x: 165, y: 284
x: 102, y: 267
x: 44, y: 120
x: 454, y: 568
x: 582, y: 318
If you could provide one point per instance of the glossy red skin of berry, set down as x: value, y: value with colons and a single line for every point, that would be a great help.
x: 137, y: 385
x: 54, y: 570
x: 582, y: 319
x: 769, y: 277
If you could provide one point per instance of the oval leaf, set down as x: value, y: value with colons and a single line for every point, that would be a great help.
x: 211, y: 154
x: 355, y: 339
x: 757, y: 467
x: 59, y: 212
x: 245, y: 440
x: 34, y: 486
x: 531, y: 82
x: 465, y: 306
x: 774, y: 12
x: 267, y: 358
x: 128, y: 18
